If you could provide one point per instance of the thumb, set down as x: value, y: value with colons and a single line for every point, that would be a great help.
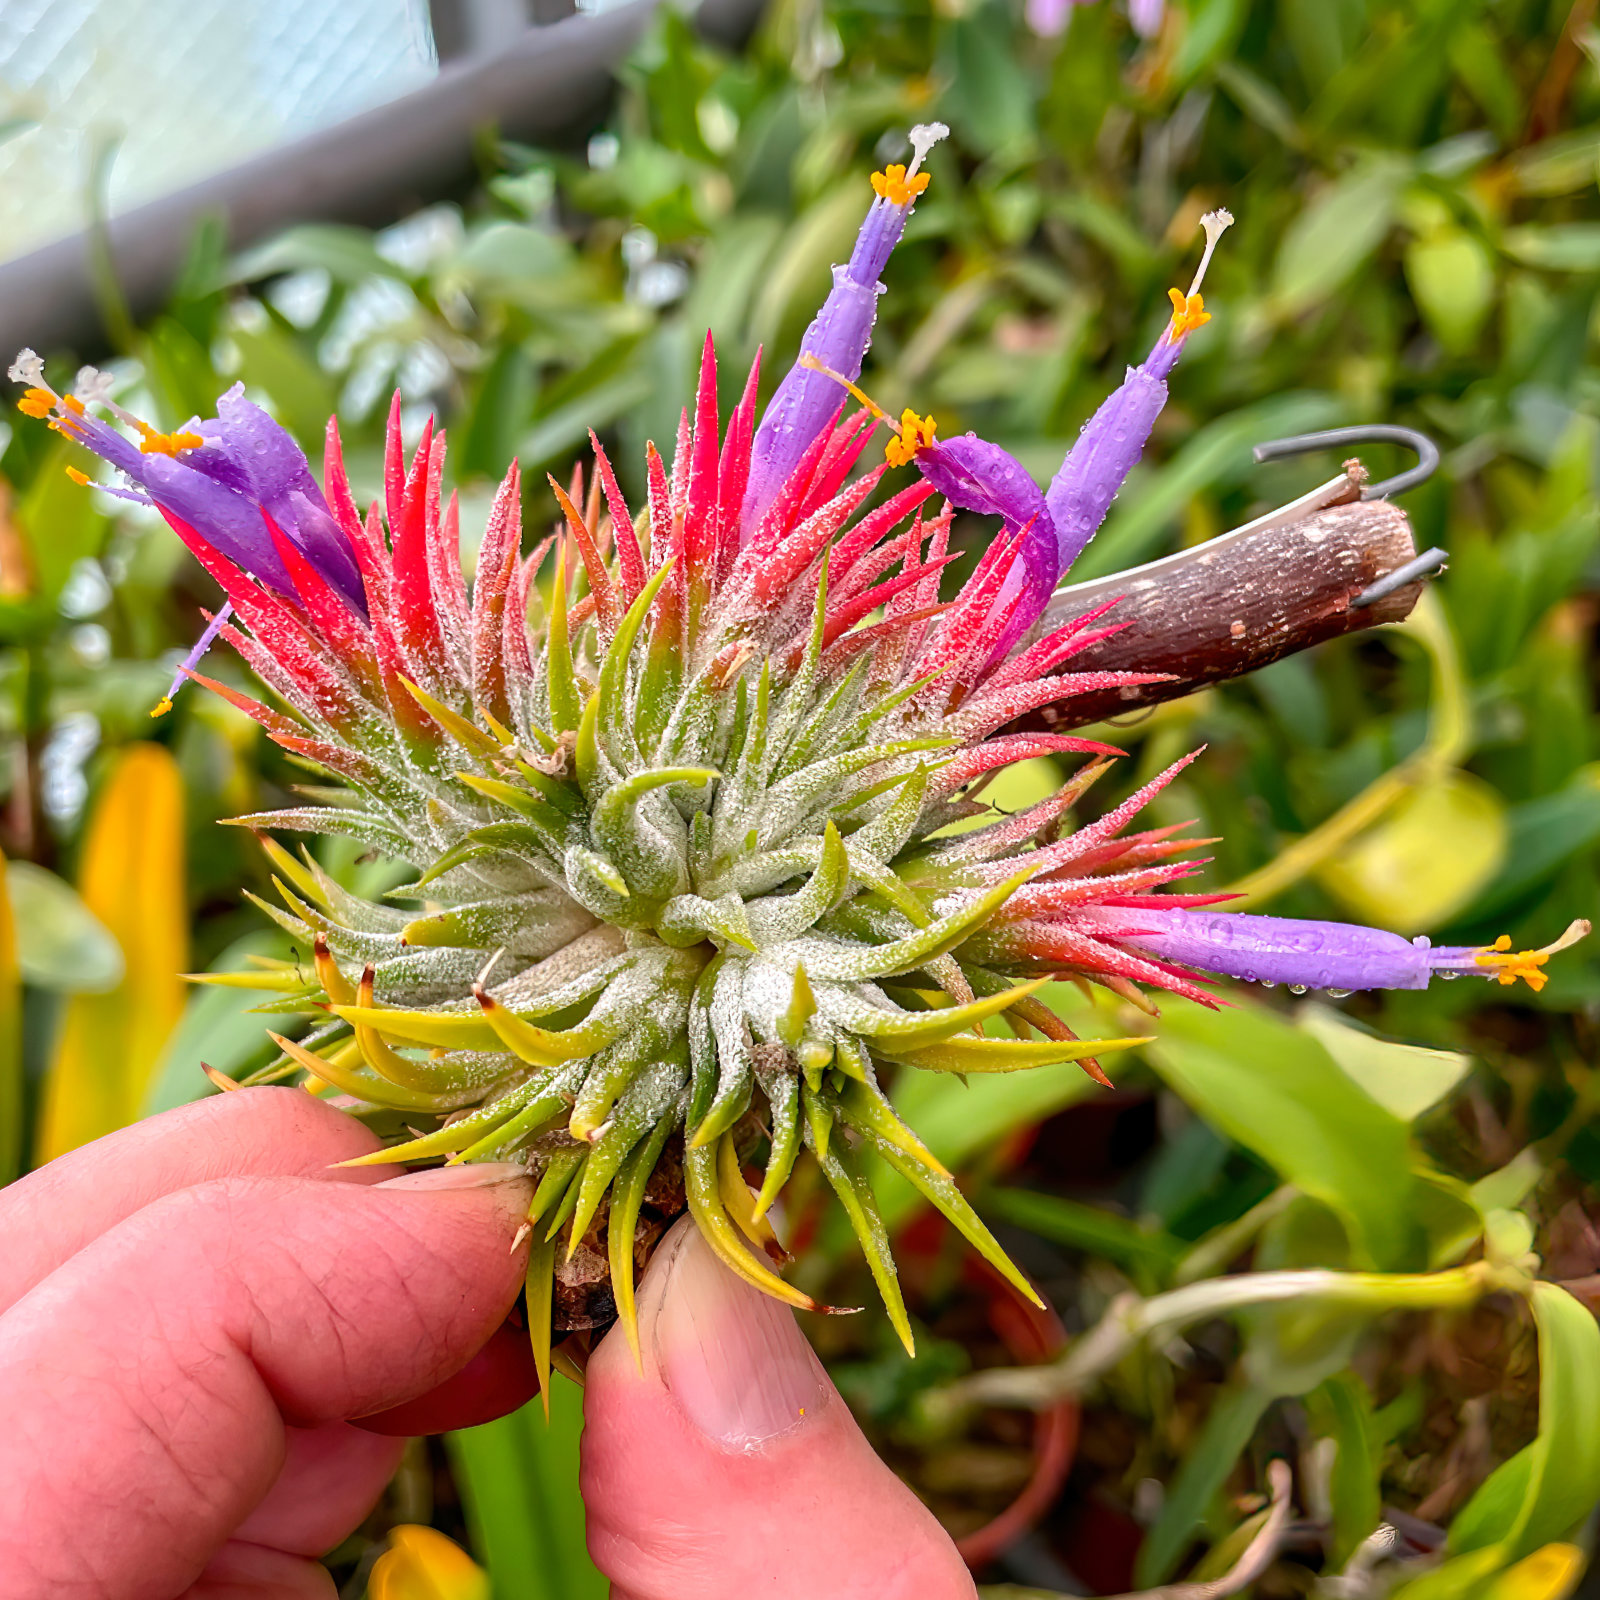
x: 730, y: 1466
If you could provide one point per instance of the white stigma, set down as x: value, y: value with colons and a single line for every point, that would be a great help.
x: 27, y: 368
x: 923, y: 138
x: 1216, y: 223
x: 1577, y: 930
x: 92, y: 386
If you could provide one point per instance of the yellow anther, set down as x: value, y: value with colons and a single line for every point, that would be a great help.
x: 912, y: 433
x: 162, y: 706
x: 1189, y: 310
x: 893, y: 185
x: 152, y: 443
x: 73, y: 404
x: 79, y: 478
x: 1507, y: 965
x: 915, y: 433
x: 1188, y: 313
x: 37, y: 403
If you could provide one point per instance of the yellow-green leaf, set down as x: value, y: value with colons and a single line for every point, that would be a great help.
x: 1544, y: 1491
x: 1403, y: 1078
x: 1426, y: 859
x: 422, y: 1564
x: 1451, y: 275
x: 10, y: 1041
x: 132, y: 880
x: 1550, y: 1573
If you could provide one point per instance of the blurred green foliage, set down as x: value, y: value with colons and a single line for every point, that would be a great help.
x: 1418, y: 241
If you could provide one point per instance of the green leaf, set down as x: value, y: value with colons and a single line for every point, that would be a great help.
x: 1276, y: 1090
x: 801, y: 263
x: 1090, y: 1228
x: 958, y: 1121
x: 1543, y: 1492
x: 348, y: 254
x: 67, y: 947
x: 1511, y: 1184
x: 1557, y: 246
x: 1403, y: 1078
x: 1450, y: 1213
x: 1452, y: 278
x: 565, y: 426
x: 512, y: 250
x: 1454, y: 1579
x: 1480, y: 64
x: 989, y: 101
x: 1541, y: 835
x: 1562, y: 165
x: 1213, y: 26
x: 58, y: 519
x: 1329, y: 242
x: 1341, y: 1410
x: 519, y: 1478
x: 1228, y: 1427
x: 218, y: 1027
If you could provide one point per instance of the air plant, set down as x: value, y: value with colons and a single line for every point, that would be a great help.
x: 675, y: 787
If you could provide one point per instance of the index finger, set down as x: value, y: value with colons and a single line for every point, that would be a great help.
x: 47, y: 1217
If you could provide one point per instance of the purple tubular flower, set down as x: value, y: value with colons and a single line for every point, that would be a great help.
x: 1106, y: 451
x: 838, y: 337
x: 1048, y: 18
x: 1146, y: 16
x: 1114, y: 438
x: 223, y: 478
x: 1312, y: 955
x: 979, y: 476
x: 258, y: 462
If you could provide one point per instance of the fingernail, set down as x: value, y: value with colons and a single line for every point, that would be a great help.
x: 470, y: 1175
x: 735, y: 1360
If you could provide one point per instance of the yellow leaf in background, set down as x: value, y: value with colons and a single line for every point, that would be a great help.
x: 1550, y: 1573
x: 131, y: 876
x: 1426, y: 859
x: 10, y: 1041
x: 421, y: 1564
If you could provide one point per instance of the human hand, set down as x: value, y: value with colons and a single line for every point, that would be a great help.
x: 192, y: 1308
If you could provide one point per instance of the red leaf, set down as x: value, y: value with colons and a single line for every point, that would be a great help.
x: 733, y: 472
x: 497, y: 566
x: 630, y: 559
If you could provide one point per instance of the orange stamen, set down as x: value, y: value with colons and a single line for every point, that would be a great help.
x: 166, y: 444
x: 893, y: 185
x: 79, y: 478
x: 915, y: 433
x: 1188, y: 313
x: 37, y: 403
x: 1507, y: 965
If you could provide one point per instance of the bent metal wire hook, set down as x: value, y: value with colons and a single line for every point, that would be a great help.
x: 1368, y: 433
x: 1422, y: 566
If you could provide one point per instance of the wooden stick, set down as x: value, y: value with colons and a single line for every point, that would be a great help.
x: 1238, y: 602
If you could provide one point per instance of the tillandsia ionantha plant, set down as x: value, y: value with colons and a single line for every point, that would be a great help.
x: 676, y: 811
